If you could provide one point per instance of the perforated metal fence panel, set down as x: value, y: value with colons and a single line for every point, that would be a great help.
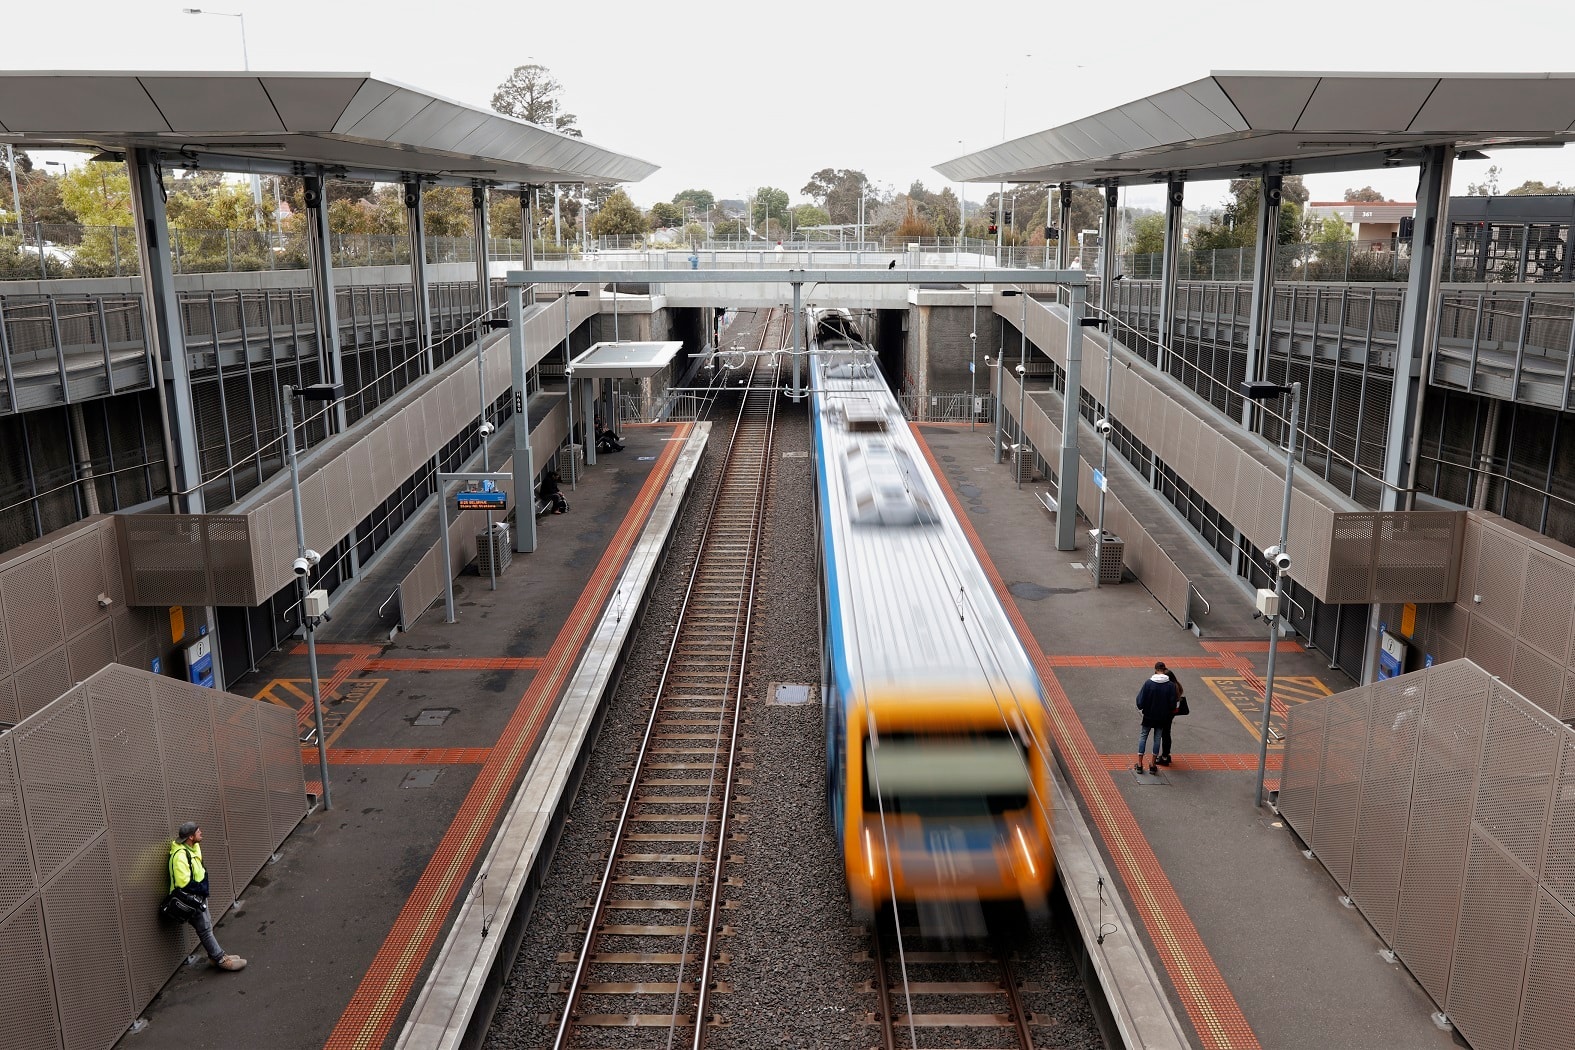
x: 91, y: 788
x: 1461, y: 849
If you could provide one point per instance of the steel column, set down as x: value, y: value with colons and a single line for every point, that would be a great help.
x: 1107, y: 251
x: 1063, y: 248
x: 798, y: 341
x: 324, y: 307
x: 416, y: 227
x: 524, y: 466
x: 176, y: 410
x: 1264, y: 253
x: 1418, y: 319
x: 1067, y: 470
x: 1175, y: 194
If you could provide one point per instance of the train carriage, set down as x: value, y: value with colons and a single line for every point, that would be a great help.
x: 936, y: 736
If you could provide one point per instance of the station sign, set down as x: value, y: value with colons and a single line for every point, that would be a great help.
x: 495, y: 500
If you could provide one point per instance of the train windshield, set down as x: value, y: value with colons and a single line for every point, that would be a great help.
x: 982, y: 774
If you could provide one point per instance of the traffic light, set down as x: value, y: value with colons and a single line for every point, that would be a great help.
x: 1407, y: 227
x: 992, y: 227
x: 992, y: 217
x: 1052, y: 234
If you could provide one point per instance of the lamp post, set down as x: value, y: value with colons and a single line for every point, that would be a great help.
x: 1104, y: 426
x: 305, y: 561
x: 1022, y: 397
x: 1279, y: 556
x: 246, y: 63
x: 16, y: 198
x: 1022, y: 364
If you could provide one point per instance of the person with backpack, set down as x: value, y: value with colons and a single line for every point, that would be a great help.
x: 551, y: 494
x: 189, y: 879
x: 1157, y: 702
x: 1181, y: 709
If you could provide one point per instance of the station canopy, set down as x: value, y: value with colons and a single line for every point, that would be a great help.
x: 356, y: 125
x: 1235, y: 125
x: 624, y: 360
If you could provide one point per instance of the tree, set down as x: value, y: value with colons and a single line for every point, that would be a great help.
x: 1332, y: 230
x: 618, y: 217
x: 1488, y: 187
x: 1366, y: 195
x: 1237, y: 226
x: 769, y: 203
x: 838, y: 191
x: 665, y: 216
x: 1148, y: 234
x: 729, y: 229
x: 531, y: 93
x: 1532, y: 187
x: 702, y: 201
x: 810, y: 215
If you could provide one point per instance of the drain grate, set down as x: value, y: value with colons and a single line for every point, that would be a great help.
x: 790, y: 694
x: 433, y: 716
x: 420, y: 778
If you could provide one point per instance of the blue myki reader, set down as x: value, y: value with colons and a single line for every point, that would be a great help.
x: 199, y: 662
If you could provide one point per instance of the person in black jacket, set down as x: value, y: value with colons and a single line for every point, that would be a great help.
x: 1164, y: 730
x: 552, y: 493
x: 1157, y: 701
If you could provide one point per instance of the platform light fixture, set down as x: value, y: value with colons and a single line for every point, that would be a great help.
x: 324, y: 392
x: 1278, y: 555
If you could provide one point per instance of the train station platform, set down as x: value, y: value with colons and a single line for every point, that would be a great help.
x: 1253, y: 944
x: 428, y: 736
x: 375, y: 902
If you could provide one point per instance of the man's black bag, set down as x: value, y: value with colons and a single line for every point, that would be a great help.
x: 1182, y: 708
x: 180, y: 906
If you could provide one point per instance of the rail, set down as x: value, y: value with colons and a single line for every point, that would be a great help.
x: 945, y: 993
x: 722, y: 577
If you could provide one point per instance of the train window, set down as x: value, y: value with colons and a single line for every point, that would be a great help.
x: 934, y: 776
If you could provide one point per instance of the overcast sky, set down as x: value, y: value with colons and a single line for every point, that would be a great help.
x: 731, y: 96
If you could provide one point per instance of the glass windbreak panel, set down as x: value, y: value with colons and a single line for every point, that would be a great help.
x: 946, y: 776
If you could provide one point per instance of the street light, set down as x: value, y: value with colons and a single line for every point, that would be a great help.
x: 246, y: 63
x: 246, y: 60
x: 1103, y: 425
x: 1022, y: 395
x: 306, y: 560
x: 1279, y: 557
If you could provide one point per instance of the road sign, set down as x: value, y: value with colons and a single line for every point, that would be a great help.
x: 970, y: 368
x: 494, y: 500
x: 1099, y: 481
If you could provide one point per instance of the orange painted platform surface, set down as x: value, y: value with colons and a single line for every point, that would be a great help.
x: 1247, y: 933
x: 427, y: 737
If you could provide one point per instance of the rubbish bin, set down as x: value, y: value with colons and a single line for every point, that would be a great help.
x: 1023, y: 461
x: 1109, y: 553
x: 493, y: 550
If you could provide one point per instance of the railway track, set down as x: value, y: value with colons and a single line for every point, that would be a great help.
x: 645, y: 964
x: 930, y: 998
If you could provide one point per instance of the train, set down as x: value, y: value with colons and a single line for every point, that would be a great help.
x: 937, y: 739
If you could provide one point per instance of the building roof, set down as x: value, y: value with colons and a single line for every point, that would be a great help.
x: 359, y: 125
x: 1230, y: 125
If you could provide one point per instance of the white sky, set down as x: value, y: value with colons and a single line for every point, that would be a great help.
x: 729, y: 96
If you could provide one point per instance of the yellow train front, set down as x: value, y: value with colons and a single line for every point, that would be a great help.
x: 937, y: 745
x: 944, y: 802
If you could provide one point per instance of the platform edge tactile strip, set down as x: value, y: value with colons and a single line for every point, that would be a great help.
x: 1212, y: 1008
x: 384, y: 989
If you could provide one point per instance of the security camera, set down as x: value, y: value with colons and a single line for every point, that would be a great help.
x: 1280, y: 558
x: 973, y: 335
x: 1020, y: 369
x: 301, y: 566
x: 487, y: 428
x: 1102, y: 425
